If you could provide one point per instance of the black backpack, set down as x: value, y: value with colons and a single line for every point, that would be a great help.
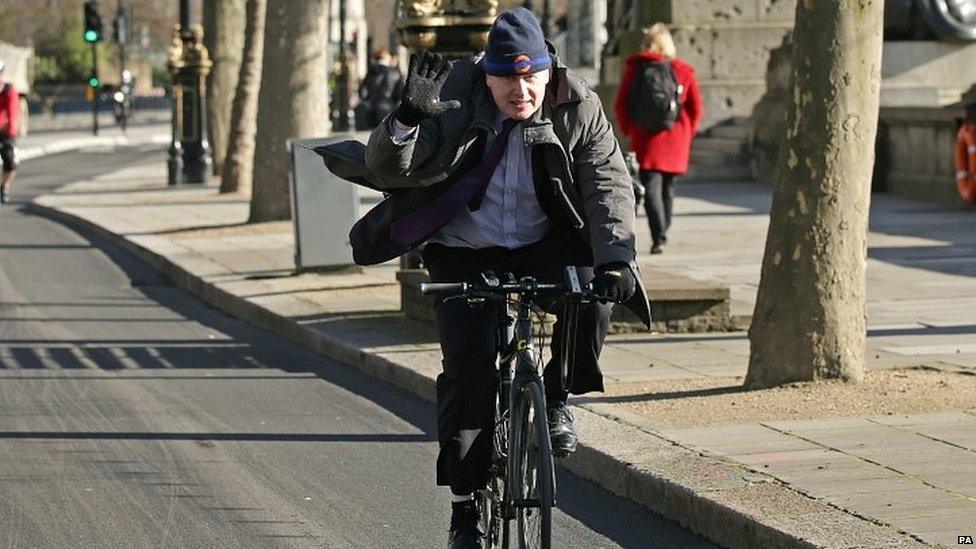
x: 655, y: 97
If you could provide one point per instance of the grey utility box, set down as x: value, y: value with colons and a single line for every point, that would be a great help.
x: 323, y: 207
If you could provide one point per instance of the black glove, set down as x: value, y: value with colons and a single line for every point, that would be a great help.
x: 614, y: 282
x: 422, y: 91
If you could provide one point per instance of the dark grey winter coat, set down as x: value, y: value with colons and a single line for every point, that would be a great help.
x: 581, y: 180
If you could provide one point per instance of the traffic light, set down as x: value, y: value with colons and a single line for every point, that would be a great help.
x: 93, y: 22
x: 91, y: 90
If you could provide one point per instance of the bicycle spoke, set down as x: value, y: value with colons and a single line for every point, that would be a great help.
x: 534, y: 462
x: 496, y: 527
x: 533, y: 517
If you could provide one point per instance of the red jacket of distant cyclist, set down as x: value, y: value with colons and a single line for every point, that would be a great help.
x: 9, y: 110
x: 665, y: 151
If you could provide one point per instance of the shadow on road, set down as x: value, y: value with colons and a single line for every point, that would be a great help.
x: 231, y: 437
x: 238, y: 345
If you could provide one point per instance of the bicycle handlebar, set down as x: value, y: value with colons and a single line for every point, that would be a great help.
x: 573, y: 291
x: 430, y: 288
x: 460, y: 288
x: 492, y: 286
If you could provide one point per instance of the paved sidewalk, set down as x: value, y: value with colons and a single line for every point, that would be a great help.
x: 42, y: 143
x: 82, y: 121
x: 893, y: 479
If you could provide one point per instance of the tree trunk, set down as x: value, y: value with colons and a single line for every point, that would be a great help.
x: 293, y: 100
x: 238, y: 166
x: 224, y: 37
x: 809, y: 321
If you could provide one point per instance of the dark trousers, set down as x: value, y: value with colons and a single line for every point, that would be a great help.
x: 658, y: 201
x: 7, y: 155
x: 467, y: 386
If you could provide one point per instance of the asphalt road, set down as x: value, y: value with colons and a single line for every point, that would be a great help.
x: 133, y: 415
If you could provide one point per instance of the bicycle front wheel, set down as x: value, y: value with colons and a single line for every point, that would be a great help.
x: 531, y: 469
x: 496, y: 526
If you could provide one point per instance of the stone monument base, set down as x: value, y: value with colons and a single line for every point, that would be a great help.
x: 920, y: 73
x: 916, y: 132
x: 678, y: 304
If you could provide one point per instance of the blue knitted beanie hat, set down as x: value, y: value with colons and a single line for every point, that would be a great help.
x: 515, y: 45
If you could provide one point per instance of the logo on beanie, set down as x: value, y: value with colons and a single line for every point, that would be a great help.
x: 522, y: 64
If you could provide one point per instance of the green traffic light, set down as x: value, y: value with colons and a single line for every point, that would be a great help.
x: 93, y: 81
x: 91, y: 35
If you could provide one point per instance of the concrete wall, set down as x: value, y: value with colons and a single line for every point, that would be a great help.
x: 17, y: 61
x: 926, y: 73
x: 728, y: 42
x: 379, y: 23
x: 916, y: 148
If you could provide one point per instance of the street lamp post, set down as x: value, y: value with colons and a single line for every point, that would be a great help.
x: 123, y: 32
x: 190, y: 159
x: 341, y: 117
x: 547, y: 19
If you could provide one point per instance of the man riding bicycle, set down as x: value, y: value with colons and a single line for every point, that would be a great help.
x: 510, y: 165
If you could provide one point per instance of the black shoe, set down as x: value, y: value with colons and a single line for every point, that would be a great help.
x: 3, y: 194
x: 562, y: 430
x: 656, y: 249
x: 465, y: 533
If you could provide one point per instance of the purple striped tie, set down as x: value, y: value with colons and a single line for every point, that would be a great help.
x: 412, y: 228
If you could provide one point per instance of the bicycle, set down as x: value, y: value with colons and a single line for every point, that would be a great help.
x: 522, y: 479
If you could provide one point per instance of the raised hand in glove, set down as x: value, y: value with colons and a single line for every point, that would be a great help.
x: 614, y: 282
x: 422, y: 90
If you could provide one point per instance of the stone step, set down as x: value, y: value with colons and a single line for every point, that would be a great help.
x: 727, y: 145
x: 678, y: 303
x: 718, y: 173
x: 732, y: 131
x: 708, y: 157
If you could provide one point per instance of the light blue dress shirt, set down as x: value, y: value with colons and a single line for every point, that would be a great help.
x: 510, y: 215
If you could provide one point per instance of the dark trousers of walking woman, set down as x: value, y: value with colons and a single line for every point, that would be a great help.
x: 658, y: 200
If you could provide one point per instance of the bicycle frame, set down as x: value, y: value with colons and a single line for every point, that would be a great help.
x: 516, y: 346
x: 521, y: 444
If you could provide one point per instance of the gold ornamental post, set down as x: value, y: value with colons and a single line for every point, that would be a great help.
x: 453, y: 28
x: 190, y: 157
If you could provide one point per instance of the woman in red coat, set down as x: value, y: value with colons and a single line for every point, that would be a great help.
x: 663, y: 154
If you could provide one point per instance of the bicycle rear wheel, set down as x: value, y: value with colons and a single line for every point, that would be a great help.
x: 531, y: 469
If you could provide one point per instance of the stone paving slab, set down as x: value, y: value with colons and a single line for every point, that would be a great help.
x: 879, y: 470
x: 775, y: 485
x: 915, y: 249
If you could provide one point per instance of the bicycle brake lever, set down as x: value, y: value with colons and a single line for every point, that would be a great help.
x: 572, y: 281
x: 491, y: 280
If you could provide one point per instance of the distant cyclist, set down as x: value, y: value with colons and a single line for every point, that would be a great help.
x: 506, y: 163
x: 9, y: 115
